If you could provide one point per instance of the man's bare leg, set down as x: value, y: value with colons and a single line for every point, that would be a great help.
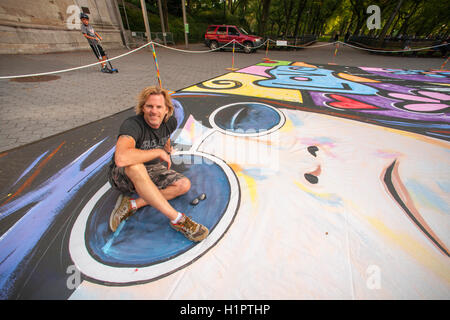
x: 148, y: 191
x: 151, y: 195
x: 172, y: 191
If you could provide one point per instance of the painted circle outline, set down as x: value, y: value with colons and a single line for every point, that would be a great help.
x: 257, y: 134
x: 97, y: 271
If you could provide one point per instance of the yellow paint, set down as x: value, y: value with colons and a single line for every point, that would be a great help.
x: 355, y: 78
x: 441, y: 84
x: 413, y: 248
x: 248, y: 87
x: 302, y: 64
x: 288, y: 126
x: 236, y: 167
x: 326, y: 196
x: 251, y: 183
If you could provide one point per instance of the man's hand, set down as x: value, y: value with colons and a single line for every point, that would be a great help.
x: 164, y: 156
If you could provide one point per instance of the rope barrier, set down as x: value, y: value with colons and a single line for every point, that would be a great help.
x: 194, y: 51
x: 306, y: 45
x: 75, y: 68
x: 211, y: 50
x: 403, y: 50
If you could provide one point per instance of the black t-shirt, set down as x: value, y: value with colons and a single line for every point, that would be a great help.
x: 145, y: 136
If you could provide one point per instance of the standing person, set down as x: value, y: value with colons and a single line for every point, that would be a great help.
x: 136, y: 167
x: 336, y: 37
x: 92, y: 36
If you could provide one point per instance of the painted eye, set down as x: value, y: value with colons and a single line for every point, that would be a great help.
x: 311, y: 178
x: 247, y: 118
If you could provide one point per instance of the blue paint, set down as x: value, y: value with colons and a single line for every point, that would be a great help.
x: 47, y: 201
x: 324, y: 140
x: 438, y: 135
x: 400, y: 71
x: 259, y: 174
x: 295, y: 121
x: 319, y: 80
x: 444, y: 185
x: 415, y: 72
x: 245, y: 118
x: 233, y: 119
x: 108, y: 245
x: 31, y: 166
x: 436, y: 75
x: 426, y: 196
x: 146, y: 237
x: 178, y: 112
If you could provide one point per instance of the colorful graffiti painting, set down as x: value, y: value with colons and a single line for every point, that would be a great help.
x: 338, y: 92
x: 316, y: 176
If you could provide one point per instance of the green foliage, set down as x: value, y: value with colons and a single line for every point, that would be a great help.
x: 320, y: 17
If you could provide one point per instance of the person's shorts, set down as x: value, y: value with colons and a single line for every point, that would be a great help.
x: 98, y: 50
x: 159, y: 174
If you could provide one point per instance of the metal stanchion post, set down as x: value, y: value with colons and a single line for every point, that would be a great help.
x: 232, y: 60
x: 156, y: 65
x: 443, y: 65
x: 267, y: 51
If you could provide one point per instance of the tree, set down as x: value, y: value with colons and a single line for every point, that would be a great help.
x: 301, y: 6
x: 264, y: 17
x: 165, y: 15
x: 359, y: 9
x: 388, y: 23
x: 288, y: 6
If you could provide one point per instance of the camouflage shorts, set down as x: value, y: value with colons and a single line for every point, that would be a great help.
x: 160, y: 175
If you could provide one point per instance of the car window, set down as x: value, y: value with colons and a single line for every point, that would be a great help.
x: 211, y: 29
x: 222, y: 30
x: 232, y: 31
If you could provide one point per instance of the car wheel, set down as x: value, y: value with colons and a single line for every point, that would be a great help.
x: 213, y: 45
x: 248, y: 47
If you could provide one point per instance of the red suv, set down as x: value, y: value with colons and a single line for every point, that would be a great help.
x: 219, y: 35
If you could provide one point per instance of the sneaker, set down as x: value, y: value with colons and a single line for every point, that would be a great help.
x: 191, y: 229
x: 106, y: 70
x: 121, y: 211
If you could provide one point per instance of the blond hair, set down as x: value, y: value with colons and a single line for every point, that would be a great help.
x: 147, y: 92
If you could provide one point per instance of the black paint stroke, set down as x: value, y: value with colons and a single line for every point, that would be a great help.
x: 390, y: 186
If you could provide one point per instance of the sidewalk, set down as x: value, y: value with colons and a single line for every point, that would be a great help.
x: 34, y: 110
